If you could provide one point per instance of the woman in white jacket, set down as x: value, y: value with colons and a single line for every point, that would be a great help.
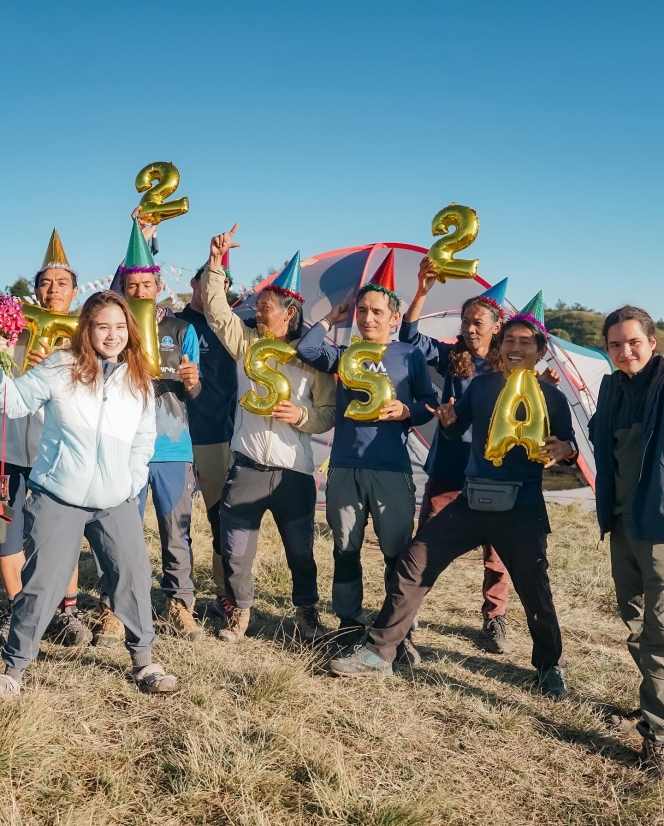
x: 98, y: 437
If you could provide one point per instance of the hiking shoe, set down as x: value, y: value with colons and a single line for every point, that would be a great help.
x: 358, y: 661
x: 552, y: 683
x: 4, y: 628
x: 351, y: 630
x: 625, y: 724
x: 110, y: 631
x: 236, y: 621
x: 8, y: 685
x: 307, y: 623
x: 69, y: 629
x: 494, y: 635
x: 651, y: 759
x: 181, y: 620
x: 407, y: 653
x: 154, y: 680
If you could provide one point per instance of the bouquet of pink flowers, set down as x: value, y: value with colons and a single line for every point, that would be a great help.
x: 12, y: 324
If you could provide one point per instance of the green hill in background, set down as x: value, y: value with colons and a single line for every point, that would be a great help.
x: 583, y: 326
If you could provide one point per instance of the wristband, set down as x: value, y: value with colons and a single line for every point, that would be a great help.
x: 326, y: 323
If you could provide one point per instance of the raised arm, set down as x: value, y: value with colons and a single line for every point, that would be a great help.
x: 226, y: 325
x: 314, y: 350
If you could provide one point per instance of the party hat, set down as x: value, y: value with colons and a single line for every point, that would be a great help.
x: 535, y: 307
x: 288, y: 280
x: 226, y: 264
x: 383, y: 279
x: 55, y: 257
x: 494, y: 297
x: 138, y: 257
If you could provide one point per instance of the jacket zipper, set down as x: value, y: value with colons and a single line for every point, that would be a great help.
x: 98, y: 435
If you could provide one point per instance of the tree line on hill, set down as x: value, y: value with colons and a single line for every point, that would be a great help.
x: 583, y: 325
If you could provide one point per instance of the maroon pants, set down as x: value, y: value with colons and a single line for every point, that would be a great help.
x: 495, y: 585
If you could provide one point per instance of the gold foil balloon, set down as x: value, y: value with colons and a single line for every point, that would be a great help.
x: 466, y: 223
x: 355, y: 376
x: 144, y: 311
x: 152, y: 203
x: 44, y: 324
x: 258, y: 370
x: 506, y: 431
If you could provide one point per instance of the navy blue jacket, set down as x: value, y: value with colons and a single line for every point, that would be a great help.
x: 212, y: 413
x: 374, y: 445
x: 447, y: 459
x: 476, y: 408
x: 648, y: 508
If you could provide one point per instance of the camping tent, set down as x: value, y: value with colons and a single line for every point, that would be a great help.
x: 335, y: 277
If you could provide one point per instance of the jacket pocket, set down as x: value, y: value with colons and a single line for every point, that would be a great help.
x: 56, y: 461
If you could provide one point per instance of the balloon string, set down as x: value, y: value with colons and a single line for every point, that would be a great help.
x: 4, y: 431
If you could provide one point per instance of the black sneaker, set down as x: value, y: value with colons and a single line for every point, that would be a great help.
x: 552, y: 683
x: 494, y: 635
x: 67, y: 628
x: 407, y: 653
x: 351, y: 630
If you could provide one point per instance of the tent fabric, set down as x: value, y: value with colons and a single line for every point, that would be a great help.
x: 335, y: 277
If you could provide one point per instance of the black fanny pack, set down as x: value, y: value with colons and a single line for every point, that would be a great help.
x: 486, y: 495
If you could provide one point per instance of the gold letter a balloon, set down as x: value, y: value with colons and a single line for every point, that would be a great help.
x: 506, y: 431
x: 356, y: 377
x: 258, y: 370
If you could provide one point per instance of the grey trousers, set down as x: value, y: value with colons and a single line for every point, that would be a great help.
x: 638, y: 574
x: 54, y: 533
x: 354, y: 494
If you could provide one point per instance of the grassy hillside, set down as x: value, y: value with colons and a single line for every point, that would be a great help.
x: 260, y: 735
x: 583, y: 326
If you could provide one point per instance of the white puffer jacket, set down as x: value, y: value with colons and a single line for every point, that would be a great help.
x: 96, y: 442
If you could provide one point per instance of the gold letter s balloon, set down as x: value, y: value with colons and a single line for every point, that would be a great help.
x: 44, y: 324
x: 144, y: 311
x: 354, y: 375
x: 505, y: 431
x: 152, y: 203
x: 467, y: 225
x: 258, y: 370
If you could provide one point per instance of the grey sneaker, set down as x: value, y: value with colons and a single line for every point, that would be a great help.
x: 358, y: 661
x: 4, y: 628
x: 154, y: 680
x: 651, y: 759
x: 69, y: 629
x: 307, y: 623
x: 494, y: 635
x: 407, y: 653
x: 552, y: 683
x: 8, y: 685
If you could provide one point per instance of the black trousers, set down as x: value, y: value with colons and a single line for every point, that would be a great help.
x: 291, y: 498
x: 519, y: 538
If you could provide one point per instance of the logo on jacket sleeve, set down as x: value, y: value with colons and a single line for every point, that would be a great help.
x: 166, y: 343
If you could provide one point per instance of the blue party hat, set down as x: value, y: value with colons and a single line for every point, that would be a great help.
x: 497, y: 292
x: 288, y: 280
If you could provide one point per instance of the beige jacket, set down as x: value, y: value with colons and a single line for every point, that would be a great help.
x: 262, y: 438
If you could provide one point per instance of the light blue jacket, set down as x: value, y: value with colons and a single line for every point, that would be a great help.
x: 96, y: 442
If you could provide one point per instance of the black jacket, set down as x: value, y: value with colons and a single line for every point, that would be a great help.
x: 648, y: 508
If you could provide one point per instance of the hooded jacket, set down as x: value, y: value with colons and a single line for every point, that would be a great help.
x: 262, y: 438
x: 96, y: 441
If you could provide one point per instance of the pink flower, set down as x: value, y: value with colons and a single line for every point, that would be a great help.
x: 12, y: 320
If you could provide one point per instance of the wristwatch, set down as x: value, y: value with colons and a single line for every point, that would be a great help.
x: 575, y: 450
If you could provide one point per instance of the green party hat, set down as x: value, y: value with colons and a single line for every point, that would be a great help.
x: 138, y: 258
x: 535, y: 308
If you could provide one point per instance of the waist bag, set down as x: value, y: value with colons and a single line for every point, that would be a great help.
x: 486, y: 495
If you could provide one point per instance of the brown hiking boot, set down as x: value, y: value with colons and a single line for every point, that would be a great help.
x: 652, y: 759
x: 110, y: 631
x: 181, y: 620
x: 236, y: 621
x: 307, y: 623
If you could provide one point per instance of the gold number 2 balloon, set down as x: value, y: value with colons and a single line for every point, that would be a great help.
x: 466, y: 223
x: 258, y: 370
x: 152, y: 203
x: 356, y: 377
x: 505, y: 431
x: 44, y: 324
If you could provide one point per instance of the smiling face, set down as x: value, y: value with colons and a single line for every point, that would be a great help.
x: 629, y: 348
x: 374, y: 316
x: 108, y: 333
x: 55, y: 290
x: 141, y: 285
x: 519, y: 349
x: 478, y: 328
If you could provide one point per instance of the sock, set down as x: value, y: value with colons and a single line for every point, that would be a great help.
x: 140, y: 660
x: 68, y: 604
x: 15, y: 673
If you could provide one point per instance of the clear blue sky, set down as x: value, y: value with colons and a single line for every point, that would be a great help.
x: 325, y: 125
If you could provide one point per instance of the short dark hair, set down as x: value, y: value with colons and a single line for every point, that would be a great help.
x: 393, y: 300
x: 540, y: 338
x: 74, y: 279
x: 629, y: 313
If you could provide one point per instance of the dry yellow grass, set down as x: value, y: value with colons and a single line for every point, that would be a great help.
x: 260, y: 735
